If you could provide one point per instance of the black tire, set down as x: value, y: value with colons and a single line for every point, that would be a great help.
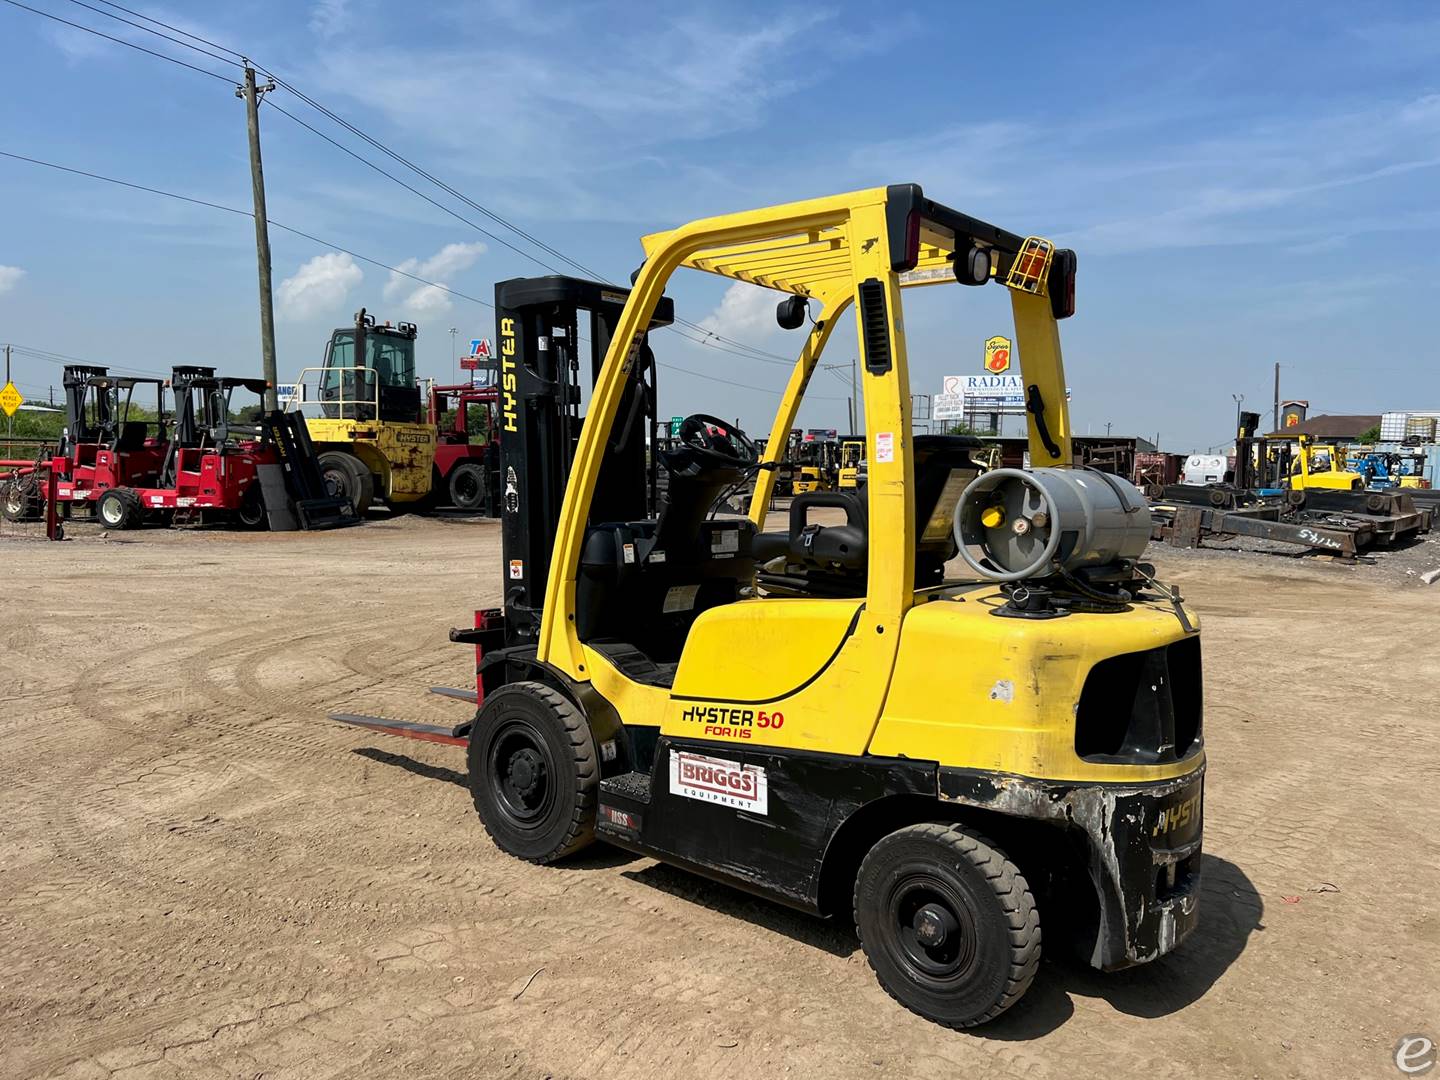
x: 20, y: 500
x: 119, y: 508
x: 347, y: 477
x: 251, y: 514
x: 534, y: 772
x: 467, y: 486
x: 1218, y: 497
x: 947, y: 884
x: 1376, y: 503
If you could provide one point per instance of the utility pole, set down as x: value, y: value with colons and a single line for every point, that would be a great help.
x: 9, y: 420
x: 1275, y: 416
x: 454, y: 371
x: 1239, y: 399
x: 251, y: 93
x: 854, y: 398
x: 1107, y: 429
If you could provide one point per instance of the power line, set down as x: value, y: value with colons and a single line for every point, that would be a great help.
x: 59, y: 358
x: 709, y: 337
x: 248, y: 214
x: 157, y: 33
x: 416, y: 191
x: 173, y: 29
x: 118, y: 41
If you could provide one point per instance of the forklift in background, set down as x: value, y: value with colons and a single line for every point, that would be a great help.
x: 817, y: 713
x: 373, y: 442
x: 851, y: 466
x: 380, y: 439
x: 1321, y: 467
x: 467, y: 450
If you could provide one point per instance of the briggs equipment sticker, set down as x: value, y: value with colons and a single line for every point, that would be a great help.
x: 716, y: 780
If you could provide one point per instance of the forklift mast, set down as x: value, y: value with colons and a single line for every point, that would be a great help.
x: 539, y: 419
x: 82, y: 426
x: 1247, y: 470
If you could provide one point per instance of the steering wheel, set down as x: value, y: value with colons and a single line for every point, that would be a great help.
x: 720, y: 440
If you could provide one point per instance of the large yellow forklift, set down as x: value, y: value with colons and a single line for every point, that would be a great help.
x: 372, y: 438
x: 840, y: 717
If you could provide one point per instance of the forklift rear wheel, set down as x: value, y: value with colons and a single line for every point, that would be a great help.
x: 467, y: 486
x: 534, y: 772
x: 120, y: 508
x: 948, y: 923
x: 346, y: 477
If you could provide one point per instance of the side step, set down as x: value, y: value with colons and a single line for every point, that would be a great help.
x: 457, y: 735
x: 624, y: 800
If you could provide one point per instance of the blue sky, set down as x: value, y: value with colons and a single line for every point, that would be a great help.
x: 1244, y: 183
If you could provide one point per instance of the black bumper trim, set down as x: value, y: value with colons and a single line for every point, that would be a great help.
x: 1143, y: 843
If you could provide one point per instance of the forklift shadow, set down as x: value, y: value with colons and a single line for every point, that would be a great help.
x: 834, y: 936
x: 1230, y: 911
x: 409, y: 764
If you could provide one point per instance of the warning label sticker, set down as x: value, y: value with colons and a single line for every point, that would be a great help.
x: 679, y: 598
x: 716, y: 780
x: 884, y: 446
x: 517, y: 569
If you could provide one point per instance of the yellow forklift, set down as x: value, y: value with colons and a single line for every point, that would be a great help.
x: 372, y: 438
x: 1322, y: 467
x: 840, y: 717
x: 851, y: 469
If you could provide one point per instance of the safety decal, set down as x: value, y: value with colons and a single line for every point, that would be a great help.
x: 718, y: 781
x: 679, y: 598
x: 517, y: 569
x: 512, y: 492
x: 884, y: 446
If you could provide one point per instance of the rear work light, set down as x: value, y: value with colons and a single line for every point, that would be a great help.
x: 1062, y: 284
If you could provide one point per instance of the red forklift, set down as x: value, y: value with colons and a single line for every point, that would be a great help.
x: 200, y: 459
x: 467, y: 449
x: 106, y: 444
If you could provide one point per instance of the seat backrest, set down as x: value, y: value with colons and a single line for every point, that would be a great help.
x: 131, y: 437
x: 943, y: 469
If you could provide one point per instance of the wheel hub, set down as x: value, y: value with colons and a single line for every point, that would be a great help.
x: 526, y: 771
x: 933, y: 925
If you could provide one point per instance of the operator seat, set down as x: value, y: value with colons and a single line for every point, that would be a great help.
x: 832, y: 560
x: 643, y: 583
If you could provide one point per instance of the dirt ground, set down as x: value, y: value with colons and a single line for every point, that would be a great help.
x: 202, y: 876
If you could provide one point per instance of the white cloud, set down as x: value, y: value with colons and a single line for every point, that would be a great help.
x: 319, y: 287
x: 745, y: 311
x: 429, y: 299
x: 329, y: 18
x: 10, y: 277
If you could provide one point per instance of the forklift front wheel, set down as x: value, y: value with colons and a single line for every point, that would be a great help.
x: 120, y: 508
x: 534, y: 772
x: 251, y: 514
x: 347, y: 477
x: 948, y: 924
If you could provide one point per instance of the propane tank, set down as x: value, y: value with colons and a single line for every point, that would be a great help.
x: 1011, y: 524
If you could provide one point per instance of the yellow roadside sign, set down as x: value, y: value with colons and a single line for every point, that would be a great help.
x: 11, y: 399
